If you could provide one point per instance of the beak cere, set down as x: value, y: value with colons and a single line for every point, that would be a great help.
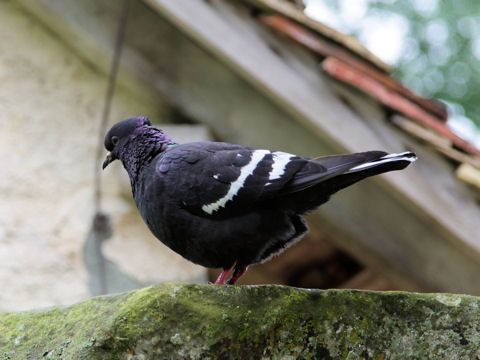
x: 108, y: 159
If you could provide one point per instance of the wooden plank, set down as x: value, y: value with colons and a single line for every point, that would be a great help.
x: 252, y: 58
x: 289, y: 10
x: 418, y: 226
x: 326, y: 48
x: 469, y: 174
x: 343, y: 72
x: 440, y: 143
x: 421, y: 132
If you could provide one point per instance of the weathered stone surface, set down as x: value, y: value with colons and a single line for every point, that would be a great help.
x: 179, y: 321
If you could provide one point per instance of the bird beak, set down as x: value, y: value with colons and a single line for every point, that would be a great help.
x: 110, y: 157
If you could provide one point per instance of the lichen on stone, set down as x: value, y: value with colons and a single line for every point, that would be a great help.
x: 258, y: 322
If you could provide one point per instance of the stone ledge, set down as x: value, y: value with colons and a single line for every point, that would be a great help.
x: 182, y: 321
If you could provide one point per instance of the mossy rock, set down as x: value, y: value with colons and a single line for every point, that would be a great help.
x: 181, y: 321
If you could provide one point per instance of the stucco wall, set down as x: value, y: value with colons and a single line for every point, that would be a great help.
x: 50, y: 105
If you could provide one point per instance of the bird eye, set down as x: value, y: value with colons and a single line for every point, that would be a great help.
x: 115, y: 140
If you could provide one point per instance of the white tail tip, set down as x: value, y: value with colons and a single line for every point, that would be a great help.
x: 405, y: 156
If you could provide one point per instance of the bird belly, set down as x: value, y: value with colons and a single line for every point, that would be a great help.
x: 218, y: 243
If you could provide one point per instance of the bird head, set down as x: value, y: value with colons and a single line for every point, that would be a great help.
x: 119, y: 134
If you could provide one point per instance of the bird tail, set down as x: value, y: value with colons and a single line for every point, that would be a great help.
x: 384, y: 163
x: 339, y: 171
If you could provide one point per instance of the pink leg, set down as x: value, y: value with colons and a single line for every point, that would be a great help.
x: 237, y: 274
x: 222, y: 278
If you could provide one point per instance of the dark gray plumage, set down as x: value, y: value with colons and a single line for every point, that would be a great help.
x: 230, y: 206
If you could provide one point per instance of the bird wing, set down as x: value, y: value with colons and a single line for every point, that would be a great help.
x: 215, y: 179
x: 221, y: 179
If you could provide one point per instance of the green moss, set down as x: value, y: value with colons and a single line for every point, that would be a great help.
x: 206, y: 321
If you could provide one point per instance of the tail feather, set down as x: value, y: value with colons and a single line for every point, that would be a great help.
x: 343, y: 170
x: 400, y: 160
x: 386, y: 163
x: 311, y: 188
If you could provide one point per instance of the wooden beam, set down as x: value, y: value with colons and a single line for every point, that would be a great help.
x: 292, y: 12
x: 251, y: 57
x: 440, y: 143
x: 352, y: 76
x: 469, y: 174
x: 325, y: 48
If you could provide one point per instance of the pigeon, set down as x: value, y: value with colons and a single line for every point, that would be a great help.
x: 230, y: 206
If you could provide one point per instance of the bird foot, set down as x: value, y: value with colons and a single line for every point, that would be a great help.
x: 222, y: 278
x: 237, y: 274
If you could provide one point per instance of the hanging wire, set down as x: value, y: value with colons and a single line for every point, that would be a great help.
x: 101, y: 228
x: 112, y: 79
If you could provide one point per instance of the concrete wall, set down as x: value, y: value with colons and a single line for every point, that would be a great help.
x: 50, y: 105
